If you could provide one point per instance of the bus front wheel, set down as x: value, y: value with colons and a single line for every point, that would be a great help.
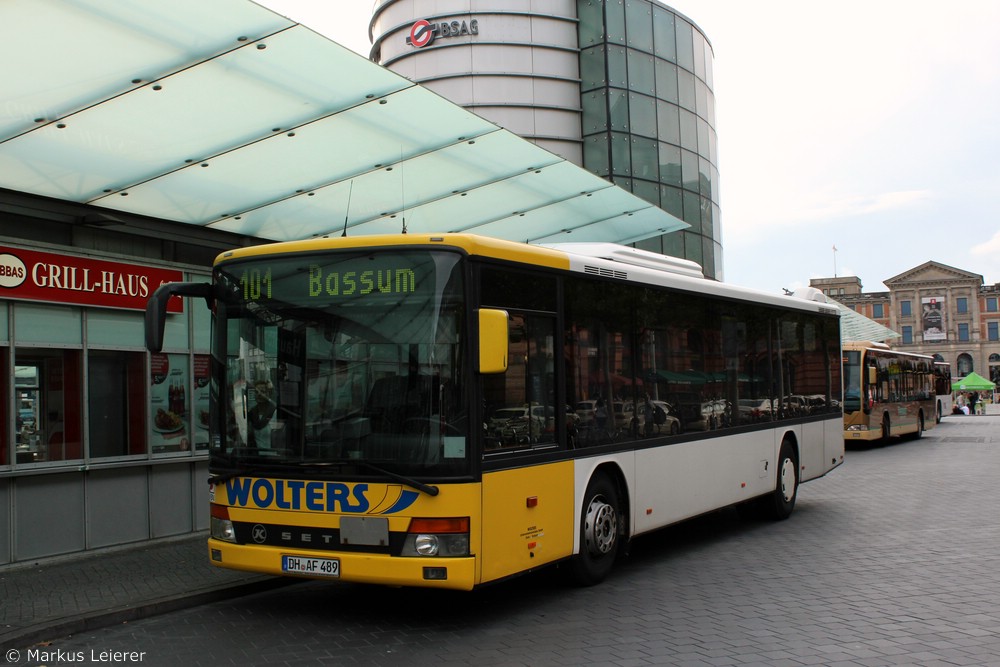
x: 600, y: 532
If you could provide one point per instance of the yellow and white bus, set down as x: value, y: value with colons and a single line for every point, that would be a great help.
x: 887, y: 393
x: 402, y: 409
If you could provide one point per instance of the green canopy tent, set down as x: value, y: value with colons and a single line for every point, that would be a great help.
x: 972, y: 382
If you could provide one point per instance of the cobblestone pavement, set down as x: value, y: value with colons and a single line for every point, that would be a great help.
x: 893, y: 559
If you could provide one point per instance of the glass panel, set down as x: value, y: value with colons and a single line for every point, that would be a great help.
x: 705, y: 180
x: 692, y: 245
x: 664, y: 39
x: 698, y: 48
x: 701, y: 99
x: 673, y: 244
x: 170, y: 403
x: 592, y: 74
x: 118, y: 327
x: 347, y: 358
x: 595, y: 111
x: 692, y: 211
x: 649, y: 191
x: 591, y: 27
x: 666, y: 81
x: 685, y: 90
x: 670, y: 164
x: 709, y: 65
x: 621, y: 154
x: 619, y: 109
x: 617, y: 66
x: 708, y: 249
x: 638, y: 17
x: 685, y: 45
x: 116, y: 384
x: 48, y: 324
x: 689, y: 130
x: 644, y: 161
x: 597, y: 155
x: 640, y: 72
x: 689, y: 170
x: 615, y: 12
x: 4, y: 319
x: 48, y: 387
x: 642, y: 115
x: 668, y: 123
x: 262, y: 169
x: 672, y: 201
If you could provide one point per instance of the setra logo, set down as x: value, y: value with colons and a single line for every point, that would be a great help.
x: 12, y: 270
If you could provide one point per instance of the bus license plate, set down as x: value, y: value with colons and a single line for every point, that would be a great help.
x: 316, y: 567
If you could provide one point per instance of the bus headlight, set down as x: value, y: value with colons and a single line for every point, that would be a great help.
x: 446, y: 538
x: 221, y: 527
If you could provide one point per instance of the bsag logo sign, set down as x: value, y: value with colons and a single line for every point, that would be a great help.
x: 12, y: 270
x: 423, y: 32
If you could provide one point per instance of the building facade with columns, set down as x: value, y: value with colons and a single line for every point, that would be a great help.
x: 936, y: 309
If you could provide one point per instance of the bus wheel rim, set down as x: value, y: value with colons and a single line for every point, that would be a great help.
x: 788, y: 479
x: 601, y: 527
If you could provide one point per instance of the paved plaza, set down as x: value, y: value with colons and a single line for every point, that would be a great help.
x: 892, y: 559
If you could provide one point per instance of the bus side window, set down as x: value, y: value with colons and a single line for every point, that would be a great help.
x: 520, y: 409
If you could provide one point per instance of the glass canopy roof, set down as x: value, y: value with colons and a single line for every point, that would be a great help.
x: 225, y: 115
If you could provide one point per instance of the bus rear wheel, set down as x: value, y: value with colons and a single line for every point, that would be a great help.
x: 600, y: 532
x: 781, y: 502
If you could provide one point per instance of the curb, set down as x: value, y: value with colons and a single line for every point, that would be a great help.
x: 22, y: 638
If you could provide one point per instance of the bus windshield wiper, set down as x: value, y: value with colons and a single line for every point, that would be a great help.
x: 429, y: 489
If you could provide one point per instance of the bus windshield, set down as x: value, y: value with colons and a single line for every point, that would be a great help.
x: 346, y: 362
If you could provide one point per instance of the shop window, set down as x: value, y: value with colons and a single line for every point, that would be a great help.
x: 4, y: 406
x: 116, y: 382
x: 47, y: 386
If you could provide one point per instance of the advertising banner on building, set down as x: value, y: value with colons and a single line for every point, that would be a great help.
x: 932, y: 318
x: 168, y: 397
x: 83, y: 281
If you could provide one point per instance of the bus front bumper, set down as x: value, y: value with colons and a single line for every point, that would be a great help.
x: 454, y: 573
x: 865, y: 434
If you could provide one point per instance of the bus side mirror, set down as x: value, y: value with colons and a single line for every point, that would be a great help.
x: 156, y: 308
x: 493, y: 337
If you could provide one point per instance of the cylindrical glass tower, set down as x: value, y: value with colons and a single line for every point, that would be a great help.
x: 621, y: 87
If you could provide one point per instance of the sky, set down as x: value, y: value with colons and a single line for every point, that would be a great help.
x: 859, y: 138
